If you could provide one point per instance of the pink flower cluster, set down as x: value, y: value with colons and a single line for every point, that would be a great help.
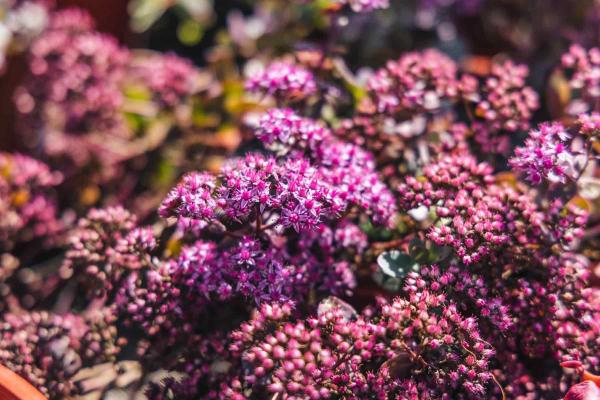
x: 170, y: 79
x: 583, y: 69
x: 346, y: 167
x: 506, y: 103
x: 283, y: 80
x: 292, y: 195
x: 470, y: 221
x: 74, y: 103
x: 332, y: 355
x: 80, y: 69
x: 28, y: 207
x: 284, y: 129
x: 417, y: 82
x: 105, y: 247
x: 546, y: 155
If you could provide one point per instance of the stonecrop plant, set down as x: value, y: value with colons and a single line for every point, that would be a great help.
x: 330, y: 199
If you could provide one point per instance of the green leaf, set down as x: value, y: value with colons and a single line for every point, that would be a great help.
x: 393, y: 267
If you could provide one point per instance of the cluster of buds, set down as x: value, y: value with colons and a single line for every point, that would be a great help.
x: 78, y: 89
x: 469, y: 220
x: 506, y: 103
x: 49, y: 349
x: 105, y: 248
x: 27, y: 206
x: 283, y: 80
x: 382, y: 352
x: 582, y: 67
x: 546, y: 155
x: 417, y: 82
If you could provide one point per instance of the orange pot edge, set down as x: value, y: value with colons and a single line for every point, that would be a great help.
x: 14, y: 387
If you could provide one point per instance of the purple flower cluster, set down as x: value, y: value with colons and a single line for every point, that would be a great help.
x: 292, y: 194
x: 470, y: 221
x: 170, y: 79
x: 546, y: 155
x: 295, y: 190
x: 417, y: 82
x: 105, y: 247
x: 283, y: 80
x: 385, y: 189
x: 77, y: 94
x: 27, y: 206
x: 345, y: 166
x: 193, y: 198
x: 80, y: 70
x: 381, y: 353
x: 351, y: 171
x: 506, y: 103
x: 283, y: 128
x: 279, y: 239
x: 583, y: 69
x: 590, y: 124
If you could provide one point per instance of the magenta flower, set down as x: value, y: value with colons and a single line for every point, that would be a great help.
x: 170, y: 78
x: 583, y: 69
x: 28, y: 207
x: 284, y: 81
x: 417, y: 82
x: 589, y: 124
x: 506, y: 103
x: 284, y: 129
x: 193, y: 198
x: 546, y: 155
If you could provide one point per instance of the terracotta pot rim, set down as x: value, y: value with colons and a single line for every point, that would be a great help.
x: 14, y: 387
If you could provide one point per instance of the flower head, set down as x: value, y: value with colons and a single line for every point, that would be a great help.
x: 546, y: 155
x: 506, y: 103
x: 192, y: 198
x: 284, y: 81
x: 286, y: 129
x: 28, y: 208
x: 417, y: 82
x: 583, y: 69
